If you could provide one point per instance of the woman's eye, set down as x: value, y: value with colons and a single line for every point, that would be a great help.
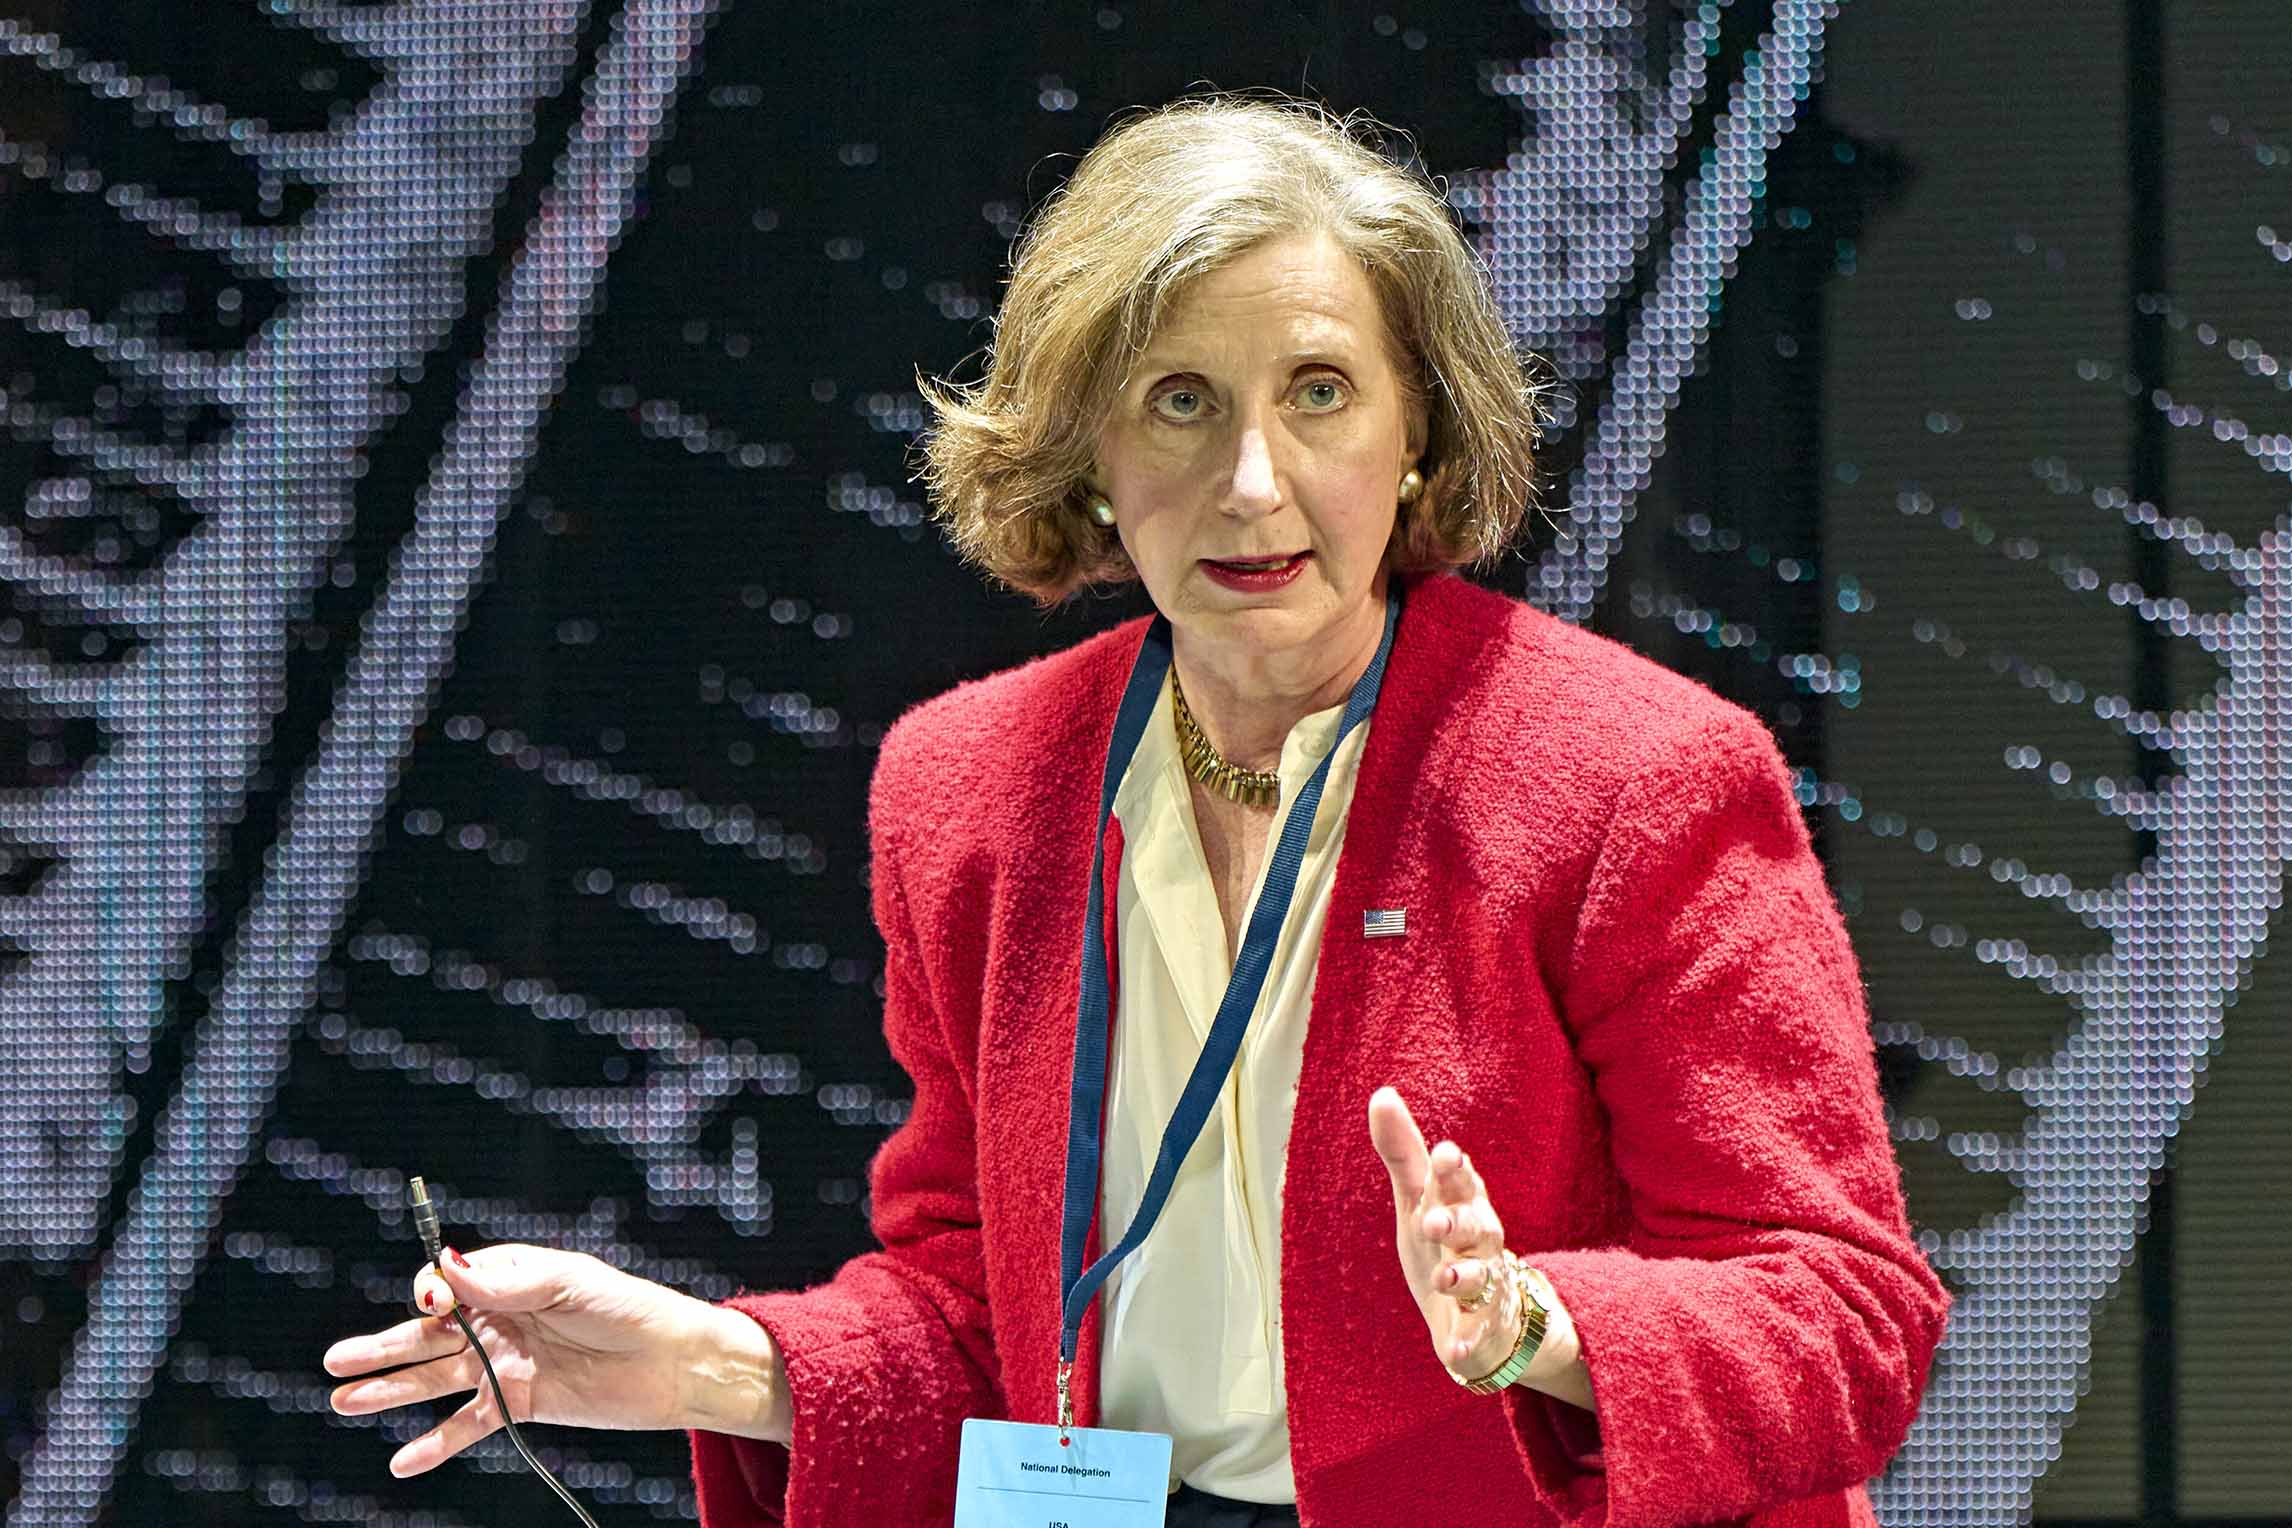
x: 1179, y: 403
x: 1322, y: 395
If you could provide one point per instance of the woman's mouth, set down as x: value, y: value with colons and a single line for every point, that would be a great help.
x: 1256, y: 575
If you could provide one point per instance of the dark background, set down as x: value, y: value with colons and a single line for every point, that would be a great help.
x: 624, y: 859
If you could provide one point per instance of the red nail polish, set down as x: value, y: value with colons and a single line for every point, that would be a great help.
x: 459, y: 1260
x: 426, y: 1305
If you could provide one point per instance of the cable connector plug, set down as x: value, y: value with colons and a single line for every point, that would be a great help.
x: 425, y: 1218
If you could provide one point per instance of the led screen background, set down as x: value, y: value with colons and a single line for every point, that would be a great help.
x: 458, y: 554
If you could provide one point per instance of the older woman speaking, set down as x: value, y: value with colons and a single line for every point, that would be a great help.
x: 1338, y: 852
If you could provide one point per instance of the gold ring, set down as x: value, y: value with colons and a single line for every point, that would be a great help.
x: 1487, y: 1288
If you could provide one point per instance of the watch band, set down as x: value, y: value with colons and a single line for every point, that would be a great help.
x: 1532, y: 1314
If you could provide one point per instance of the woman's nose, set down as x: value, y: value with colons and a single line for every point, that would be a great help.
x: 1256, y: 484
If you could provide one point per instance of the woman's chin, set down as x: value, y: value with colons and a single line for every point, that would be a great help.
x: 1214, y: 609
x: 1259, y: 623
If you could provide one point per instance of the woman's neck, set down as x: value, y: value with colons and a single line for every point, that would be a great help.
x: 1247, y: 701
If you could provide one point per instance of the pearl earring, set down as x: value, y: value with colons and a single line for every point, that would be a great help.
x: 1101, y: 511
x: 1412, y: 484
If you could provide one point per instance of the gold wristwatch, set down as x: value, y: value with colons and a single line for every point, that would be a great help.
x: 1532, y: 1314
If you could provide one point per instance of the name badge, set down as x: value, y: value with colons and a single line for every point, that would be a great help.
x: 1016, y: 1475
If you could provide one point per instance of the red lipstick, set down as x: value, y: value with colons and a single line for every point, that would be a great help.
x: 1256, y: 577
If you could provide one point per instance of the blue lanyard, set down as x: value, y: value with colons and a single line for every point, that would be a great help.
x: 1077, y: 1284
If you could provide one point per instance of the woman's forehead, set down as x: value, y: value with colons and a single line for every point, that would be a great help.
x: 1309, y: 271
x: 1276, y: 335
x: 1299, y: 301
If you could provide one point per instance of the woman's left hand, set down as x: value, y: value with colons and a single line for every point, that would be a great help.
x: 1450, y: 1240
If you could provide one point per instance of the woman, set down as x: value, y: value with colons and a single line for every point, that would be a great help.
x: 1560, y: 898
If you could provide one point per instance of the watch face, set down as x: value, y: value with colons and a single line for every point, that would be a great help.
x: 1533, y: 1287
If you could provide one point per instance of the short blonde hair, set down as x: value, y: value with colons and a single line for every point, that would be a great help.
x: 1162, y: 199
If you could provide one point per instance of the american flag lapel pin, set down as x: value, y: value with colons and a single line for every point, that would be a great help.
x: 1384, y: 923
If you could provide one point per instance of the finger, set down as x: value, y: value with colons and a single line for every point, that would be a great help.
x: 407, y: 1342
x: 1468, y: 1278
x: 512, y: 1276
x: 433, y: 1296
x: 1454, y: 1178
x: 1394, y: 1132
x: 430, y: 1381
x: 473, y: 1423
x: 1461, y: 1227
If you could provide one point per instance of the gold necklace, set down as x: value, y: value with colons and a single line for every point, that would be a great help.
x: 1250, y: 787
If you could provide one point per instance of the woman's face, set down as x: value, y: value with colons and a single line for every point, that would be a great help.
x: 1254, y: 457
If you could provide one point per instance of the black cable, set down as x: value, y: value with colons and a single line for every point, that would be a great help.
x: 426, y: 1226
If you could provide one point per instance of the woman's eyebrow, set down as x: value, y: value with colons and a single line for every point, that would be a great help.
x: 1156, y: 360
x: 1326, y: 353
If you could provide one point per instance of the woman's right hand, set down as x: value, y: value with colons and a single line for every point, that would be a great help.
x: 574, y: 1341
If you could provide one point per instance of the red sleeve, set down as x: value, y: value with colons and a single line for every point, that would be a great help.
x: 1763, y: 1333
x: 886, y: 1359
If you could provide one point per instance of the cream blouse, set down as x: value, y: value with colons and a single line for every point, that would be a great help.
x: 1192, y: 1319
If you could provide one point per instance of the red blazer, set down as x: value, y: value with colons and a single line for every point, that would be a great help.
x: 1624, y: 988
